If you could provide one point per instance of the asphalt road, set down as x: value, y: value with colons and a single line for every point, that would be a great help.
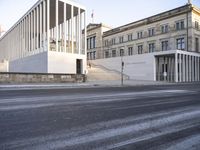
x: 142, y: 118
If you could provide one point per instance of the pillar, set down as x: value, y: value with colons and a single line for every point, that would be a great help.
x: 29, y: 35
x: 192, y: 68
x: 40, y: 27
x: 44, y: 24
x: 180, y: 67
x: 79, y: 31
x: 183, y: 63
x: 72, y: 28
x: 56, y: 25
x: 37, y: 28
x: 65, y: 27
x: 176, y: 67
x: 48, y: 25
x: 85, y: 34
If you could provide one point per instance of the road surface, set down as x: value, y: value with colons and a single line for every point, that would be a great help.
x: 163, y: 117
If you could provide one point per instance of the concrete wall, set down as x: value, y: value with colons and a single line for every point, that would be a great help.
x: 31, y: 64
x: 137, y: 67
x: 48, y: 62
x: 39, y: 78
x: 64, y: 62
x: 4, y: 66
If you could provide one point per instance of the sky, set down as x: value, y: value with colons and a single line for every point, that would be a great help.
x: 113, y: 13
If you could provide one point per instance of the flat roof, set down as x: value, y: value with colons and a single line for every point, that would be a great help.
x: 161, y: 16
x: 71, y: 2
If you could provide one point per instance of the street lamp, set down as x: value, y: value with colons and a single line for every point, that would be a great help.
x: 122, y: 66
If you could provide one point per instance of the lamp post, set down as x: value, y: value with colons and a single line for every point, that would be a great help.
x: 122, y: 66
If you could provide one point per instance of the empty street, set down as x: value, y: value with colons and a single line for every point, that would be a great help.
x: 163, y: 117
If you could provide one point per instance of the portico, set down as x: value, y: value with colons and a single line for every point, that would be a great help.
x: 177, y: 66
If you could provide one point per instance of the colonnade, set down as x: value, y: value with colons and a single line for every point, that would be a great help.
x: 188, y: 68
x: 44, y: 27
x: 178, y: 68
x: 165, y: 68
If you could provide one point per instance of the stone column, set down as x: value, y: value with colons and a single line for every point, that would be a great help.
x: 56, y: 25
x: 85, y: 38
x: 176, y: 67
x: 44, y: 25
x: 184, y: 78
x: 79, y: 31
x: 72, y: 28
x: 192, y: 68
x: 65, y: 27
x: 37, y: 33
x: 40, y: 27
x: 180, y: 68
x: 48, y: 25
x: 34, y: 23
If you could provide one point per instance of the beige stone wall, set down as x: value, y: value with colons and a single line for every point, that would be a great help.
x: 171, y: 36
x: 4, y: 66
x: 196, y: 32
x: 98, y: 32
x: 40, y: 78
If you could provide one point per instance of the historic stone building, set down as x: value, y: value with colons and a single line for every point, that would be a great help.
x: 47, y: 39
x: 164, y: 47
x: 95, y: 40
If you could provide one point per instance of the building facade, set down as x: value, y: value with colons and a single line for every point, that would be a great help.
x: 164, y: 47
x: 47, y: 39
x: 95, y: 40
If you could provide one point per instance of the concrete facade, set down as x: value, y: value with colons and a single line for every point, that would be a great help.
x: 168, y: 34
x: 47, y: 39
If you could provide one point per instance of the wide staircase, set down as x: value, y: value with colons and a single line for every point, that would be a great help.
x: 100, y: 73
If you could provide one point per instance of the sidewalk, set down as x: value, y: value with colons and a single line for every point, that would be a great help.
x: 88, y: 84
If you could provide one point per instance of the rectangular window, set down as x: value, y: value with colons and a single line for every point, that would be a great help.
x: 106, y: 42
x: 88, y: 43
x: 130, y: 51
x: 107, y: 54
x: 130, y: 37
x: 121, y: 39
x: 151, y: 47
x: 197, y: 25
x: 91, y: 43
x: 180, y: 25
x: 88, y: 54
x: 94, y: 42
x: 180, y: 43
x: 164, y: 28
x: 197, y: 44
x: 94, y: 55
x: 121, y: 52
x: 113, y: 41
x: 139, y: 35
x: 151, y: 32
x: 140, y: 49
x: 165, y: 46
x: 113, y: 53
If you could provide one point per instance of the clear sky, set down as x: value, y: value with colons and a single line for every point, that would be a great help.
x: 110, y: 12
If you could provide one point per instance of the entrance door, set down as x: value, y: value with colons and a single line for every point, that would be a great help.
x: 79, y: 66
x: 165, y: 68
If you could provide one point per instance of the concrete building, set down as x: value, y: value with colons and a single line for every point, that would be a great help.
x: 47, y: 39
x: 164, y: 47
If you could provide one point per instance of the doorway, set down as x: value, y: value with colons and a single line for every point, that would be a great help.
x: 79, y: 66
